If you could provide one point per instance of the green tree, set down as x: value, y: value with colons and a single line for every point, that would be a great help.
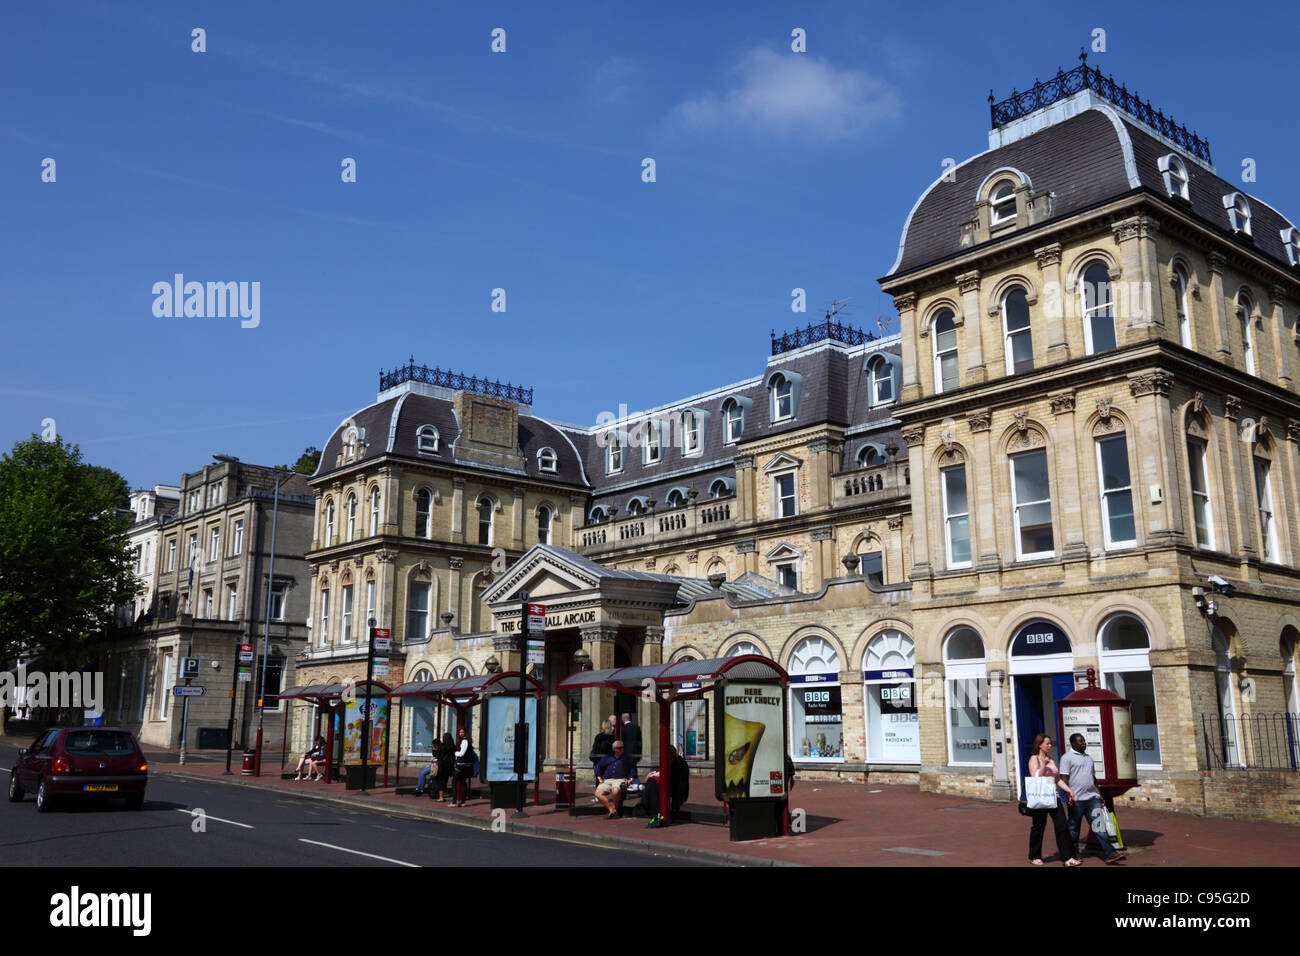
x: 306, y: 463
x: 64, y: 556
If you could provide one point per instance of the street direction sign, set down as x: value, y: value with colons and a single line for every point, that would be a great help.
x: 181, y: 691
x: 536, y: 652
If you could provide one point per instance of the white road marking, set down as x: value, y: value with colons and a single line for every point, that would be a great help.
x: 372, y: 856
x: 208, y: 816
x: 5, y: 769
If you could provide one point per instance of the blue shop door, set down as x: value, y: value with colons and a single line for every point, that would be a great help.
x: 1062, y: 687
x: 1029, y: 720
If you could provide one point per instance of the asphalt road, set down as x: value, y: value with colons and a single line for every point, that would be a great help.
x: 247, y: 827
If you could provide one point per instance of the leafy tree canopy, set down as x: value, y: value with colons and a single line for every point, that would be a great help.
x: 306, y: 463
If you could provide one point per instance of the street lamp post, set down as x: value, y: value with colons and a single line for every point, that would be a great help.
x: 266, y: 639
x: 521, y: 728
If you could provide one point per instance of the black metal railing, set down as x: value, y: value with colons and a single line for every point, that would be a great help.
x: 456, y: 381
x: 1068, y: 82
x: 1256, y: 742
x: 797, y: 339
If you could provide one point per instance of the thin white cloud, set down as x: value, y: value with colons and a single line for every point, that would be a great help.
x: 614, y: 80
x: 792, y: 94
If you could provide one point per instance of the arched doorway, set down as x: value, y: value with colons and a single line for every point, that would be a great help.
x: 1041, y: 664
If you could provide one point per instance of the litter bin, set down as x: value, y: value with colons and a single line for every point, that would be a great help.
x: 563, y: 791
x: 353, y: 778
x: 250, y: 763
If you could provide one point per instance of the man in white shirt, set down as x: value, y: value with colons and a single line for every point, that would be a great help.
x: 1077, y: 771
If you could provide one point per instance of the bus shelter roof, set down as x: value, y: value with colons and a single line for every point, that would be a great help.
x: 327, y: 692
x: 682, y: 678
x: 470, y: 689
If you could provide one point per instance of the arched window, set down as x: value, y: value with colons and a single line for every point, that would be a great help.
x: 1180, y: 303
x: 1225, y: 686
x: 945, y: 352
x: 422, y: 502
x: 1245, y: 308
x: 1031, y: 505
x: 1287, y: 647
x: 597, y: 515
x: 868, y: 455
x: 1117, y: 519
x: 1175, y: 175
x: 1198, y: 473
x: 450, y: 713
x: 882, y: 381
x: 613, y: 455
x: 956, y: 516
x: 1238, y: 212
x: 816, y: 715
x: 675, y: 499
x: 329, y: 522
x: 417, y: 609
x: 547, y: 460
x: 1264, y: 503
x: 1018, y: 342
x: 635, y: 506
x: 890, y: 691
x: 966, y: 689
x: 427, y: 439
x: 374, y: 511
x: 782, y: 397
x: 1098, y: 309
x: 745, y: 647
x: 423, y: 724
x: 733, y: 421
x: 1003, y: 202
x: 543, y: 525
x: 1291, y: 242
x: 1124, y: 656
x: 485, y: 520
x: 719, y: 489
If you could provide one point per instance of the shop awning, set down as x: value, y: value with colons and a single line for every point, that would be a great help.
x: 681, y: 679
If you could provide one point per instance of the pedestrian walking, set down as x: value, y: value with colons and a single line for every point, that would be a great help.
x: 1041, y: 764
x: 1077, y: 773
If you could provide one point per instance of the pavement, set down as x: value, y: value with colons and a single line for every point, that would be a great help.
x: 845, y: 824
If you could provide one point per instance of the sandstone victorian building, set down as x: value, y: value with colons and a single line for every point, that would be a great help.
x: 1079, y: 452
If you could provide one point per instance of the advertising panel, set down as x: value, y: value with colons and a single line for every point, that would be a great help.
x: 1086, y: 721
x: 895, y: 726
x: 353, y: 725
x: 1125, y: 751
x: 751, y: 731
x: 499, y: 747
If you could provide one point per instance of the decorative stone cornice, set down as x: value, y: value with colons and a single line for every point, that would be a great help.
x: 979, y: 421
x: 895, y: 522
x: 1293, y: 430
x: 505, y: 643
x: 1135, y: 227
x: 1048, y: 255
x: 819, y: 445
x: 968, y: 281
x: 390, y: 471
x: 1277, y: 294
x: 743, y: 461
x: 821, y: 533
x: 577, y: 499
x: 654, y: 634
x: 1148, y: 383
x: 1217, y: 262
x: 455, y: 563
x: 386, y: 555
x: 905, y: 301
x: 1231, y: 407
x: 747, y: 546
x: 914, y: 436
x: 458, y: 481
x: 598, y: 634
x: 1062, y: 404
x: 517, y: 491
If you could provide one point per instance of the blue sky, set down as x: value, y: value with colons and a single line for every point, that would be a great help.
x: 518, y: 170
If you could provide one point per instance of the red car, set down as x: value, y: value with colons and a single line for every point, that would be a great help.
x: 82, y: 762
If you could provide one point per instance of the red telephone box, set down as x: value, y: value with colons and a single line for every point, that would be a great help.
x: 1106, y: 721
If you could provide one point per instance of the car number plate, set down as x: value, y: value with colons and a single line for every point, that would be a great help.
x: 101, y: 787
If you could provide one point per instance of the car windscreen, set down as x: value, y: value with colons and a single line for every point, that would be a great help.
x: 99, y: 743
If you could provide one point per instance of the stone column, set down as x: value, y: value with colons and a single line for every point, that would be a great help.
x: 577, y: 517
x: 1049, y: 270
x: 458, y: 510
x: 824, y: 458
x: 822, y: 558
x: 1237, y: 484
x: 1282, y: 343
x: 386, y: 588
x: 896, y: 548
x: 517, y: 517
x: 652, y: 652
x: 390, y: 514
x: 968, y: 284
x: 747, y: 549
x: 745, y: 504
x: 979, y: 488
x: 1135, y: 237
x: 1157, y: 450
x: 1068, y: 476
x: 453, y: 593
x: 1287, y: 452
x: 921, y: 565
x: 1218, y: 308
x: 905, y: 303
x: 998, y: 734
x: 597, y: 702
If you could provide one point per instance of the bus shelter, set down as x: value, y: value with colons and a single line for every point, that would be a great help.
x: 671, y: 683
x: 461, y: 694
x: 326, y: 698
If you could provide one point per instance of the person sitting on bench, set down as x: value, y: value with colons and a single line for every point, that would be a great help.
x: 679, y: 782
x: 612, y: 774
x: 310, y: 758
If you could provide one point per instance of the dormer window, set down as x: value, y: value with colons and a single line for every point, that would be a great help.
x: 650, y: 443
x: 733, y: 420
x: 675, y: 499
x: 635, y: 507
x: 882, y: 382
x: 719, y: 488
x: 782, y: 398
x: 1175, y: 175
x: 869, y: 455
x: 1291, y: 241
x: 428, y: 438
x: 1003, y: 204
x: 547, y: 460
x: 613, y: 455
x: 690, y: 433
x: 1238, y: 212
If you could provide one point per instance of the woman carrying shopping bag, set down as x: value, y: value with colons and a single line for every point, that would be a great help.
x: 1044, y: 799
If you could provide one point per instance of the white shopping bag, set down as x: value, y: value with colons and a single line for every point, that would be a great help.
x: 1040, y: 793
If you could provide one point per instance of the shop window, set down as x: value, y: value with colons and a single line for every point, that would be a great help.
x: 888, y: 673
x: 967, y: 699
x: 1126, y: 669
x: 816, y: 713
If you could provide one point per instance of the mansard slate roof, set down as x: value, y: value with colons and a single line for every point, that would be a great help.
x: 834, y: 389
x: 1083, y: 161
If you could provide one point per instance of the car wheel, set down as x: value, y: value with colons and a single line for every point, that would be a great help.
x: 134, y: 801
x: 15, y: 791
x: 42, y: 797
